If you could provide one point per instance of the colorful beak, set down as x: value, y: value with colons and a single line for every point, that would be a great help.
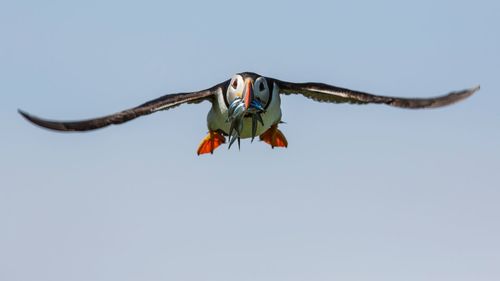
x: 248, y: 91
x: 251, y: 104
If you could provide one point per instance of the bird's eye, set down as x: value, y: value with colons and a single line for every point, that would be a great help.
x: 262, y: 87
x: 235, y: 84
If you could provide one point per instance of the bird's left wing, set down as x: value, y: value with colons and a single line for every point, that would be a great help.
x: 328, y: 93
x: 161, y: 103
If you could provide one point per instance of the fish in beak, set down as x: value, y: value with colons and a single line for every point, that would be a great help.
x: 247, y: 106
x: 252, y: 104
x: 236, y: 113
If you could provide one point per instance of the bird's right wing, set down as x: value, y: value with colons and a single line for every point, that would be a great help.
x: 161, y: 103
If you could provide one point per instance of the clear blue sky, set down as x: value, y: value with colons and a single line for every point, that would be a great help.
x: 362, y: 193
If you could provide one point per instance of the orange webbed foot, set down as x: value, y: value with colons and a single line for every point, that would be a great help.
x: 274, y: 137
x: 211, y: 142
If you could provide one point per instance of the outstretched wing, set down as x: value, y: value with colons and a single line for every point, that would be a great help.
x: 328, y: 93
x: 161, y: 103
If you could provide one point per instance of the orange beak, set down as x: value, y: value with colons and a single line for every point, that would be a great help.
x: 248, y: 93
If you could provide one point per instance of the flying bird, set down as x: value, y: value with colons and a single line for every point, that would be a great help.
x: 246, y: 106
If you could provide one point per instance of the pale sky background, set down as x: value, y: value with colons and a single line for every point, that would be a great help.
x: 362, y: 193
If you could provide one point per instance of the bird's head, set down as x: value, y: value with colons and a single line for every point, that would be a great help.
x: 247, y: 96
x: 250, y: 89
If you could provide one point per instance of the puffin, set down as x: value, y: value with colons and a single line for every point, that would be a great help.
x: 246, y: 106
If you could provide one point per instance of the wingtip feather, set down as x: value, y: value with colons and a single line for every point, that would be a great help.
x: 475, y: 88
x: 26, y: 115
x: 23, y: 113
x: 43, y: 123
x: 468, y: 92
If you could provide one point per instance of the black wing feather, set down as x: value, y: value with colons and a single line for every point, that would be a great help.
x: 161, y: 103
x: 328, y: 93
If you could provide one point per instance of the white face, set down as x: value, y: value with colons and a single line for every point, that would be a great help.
x: 261, y: 90
x: 235, y: 89
x: 237, y: 85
